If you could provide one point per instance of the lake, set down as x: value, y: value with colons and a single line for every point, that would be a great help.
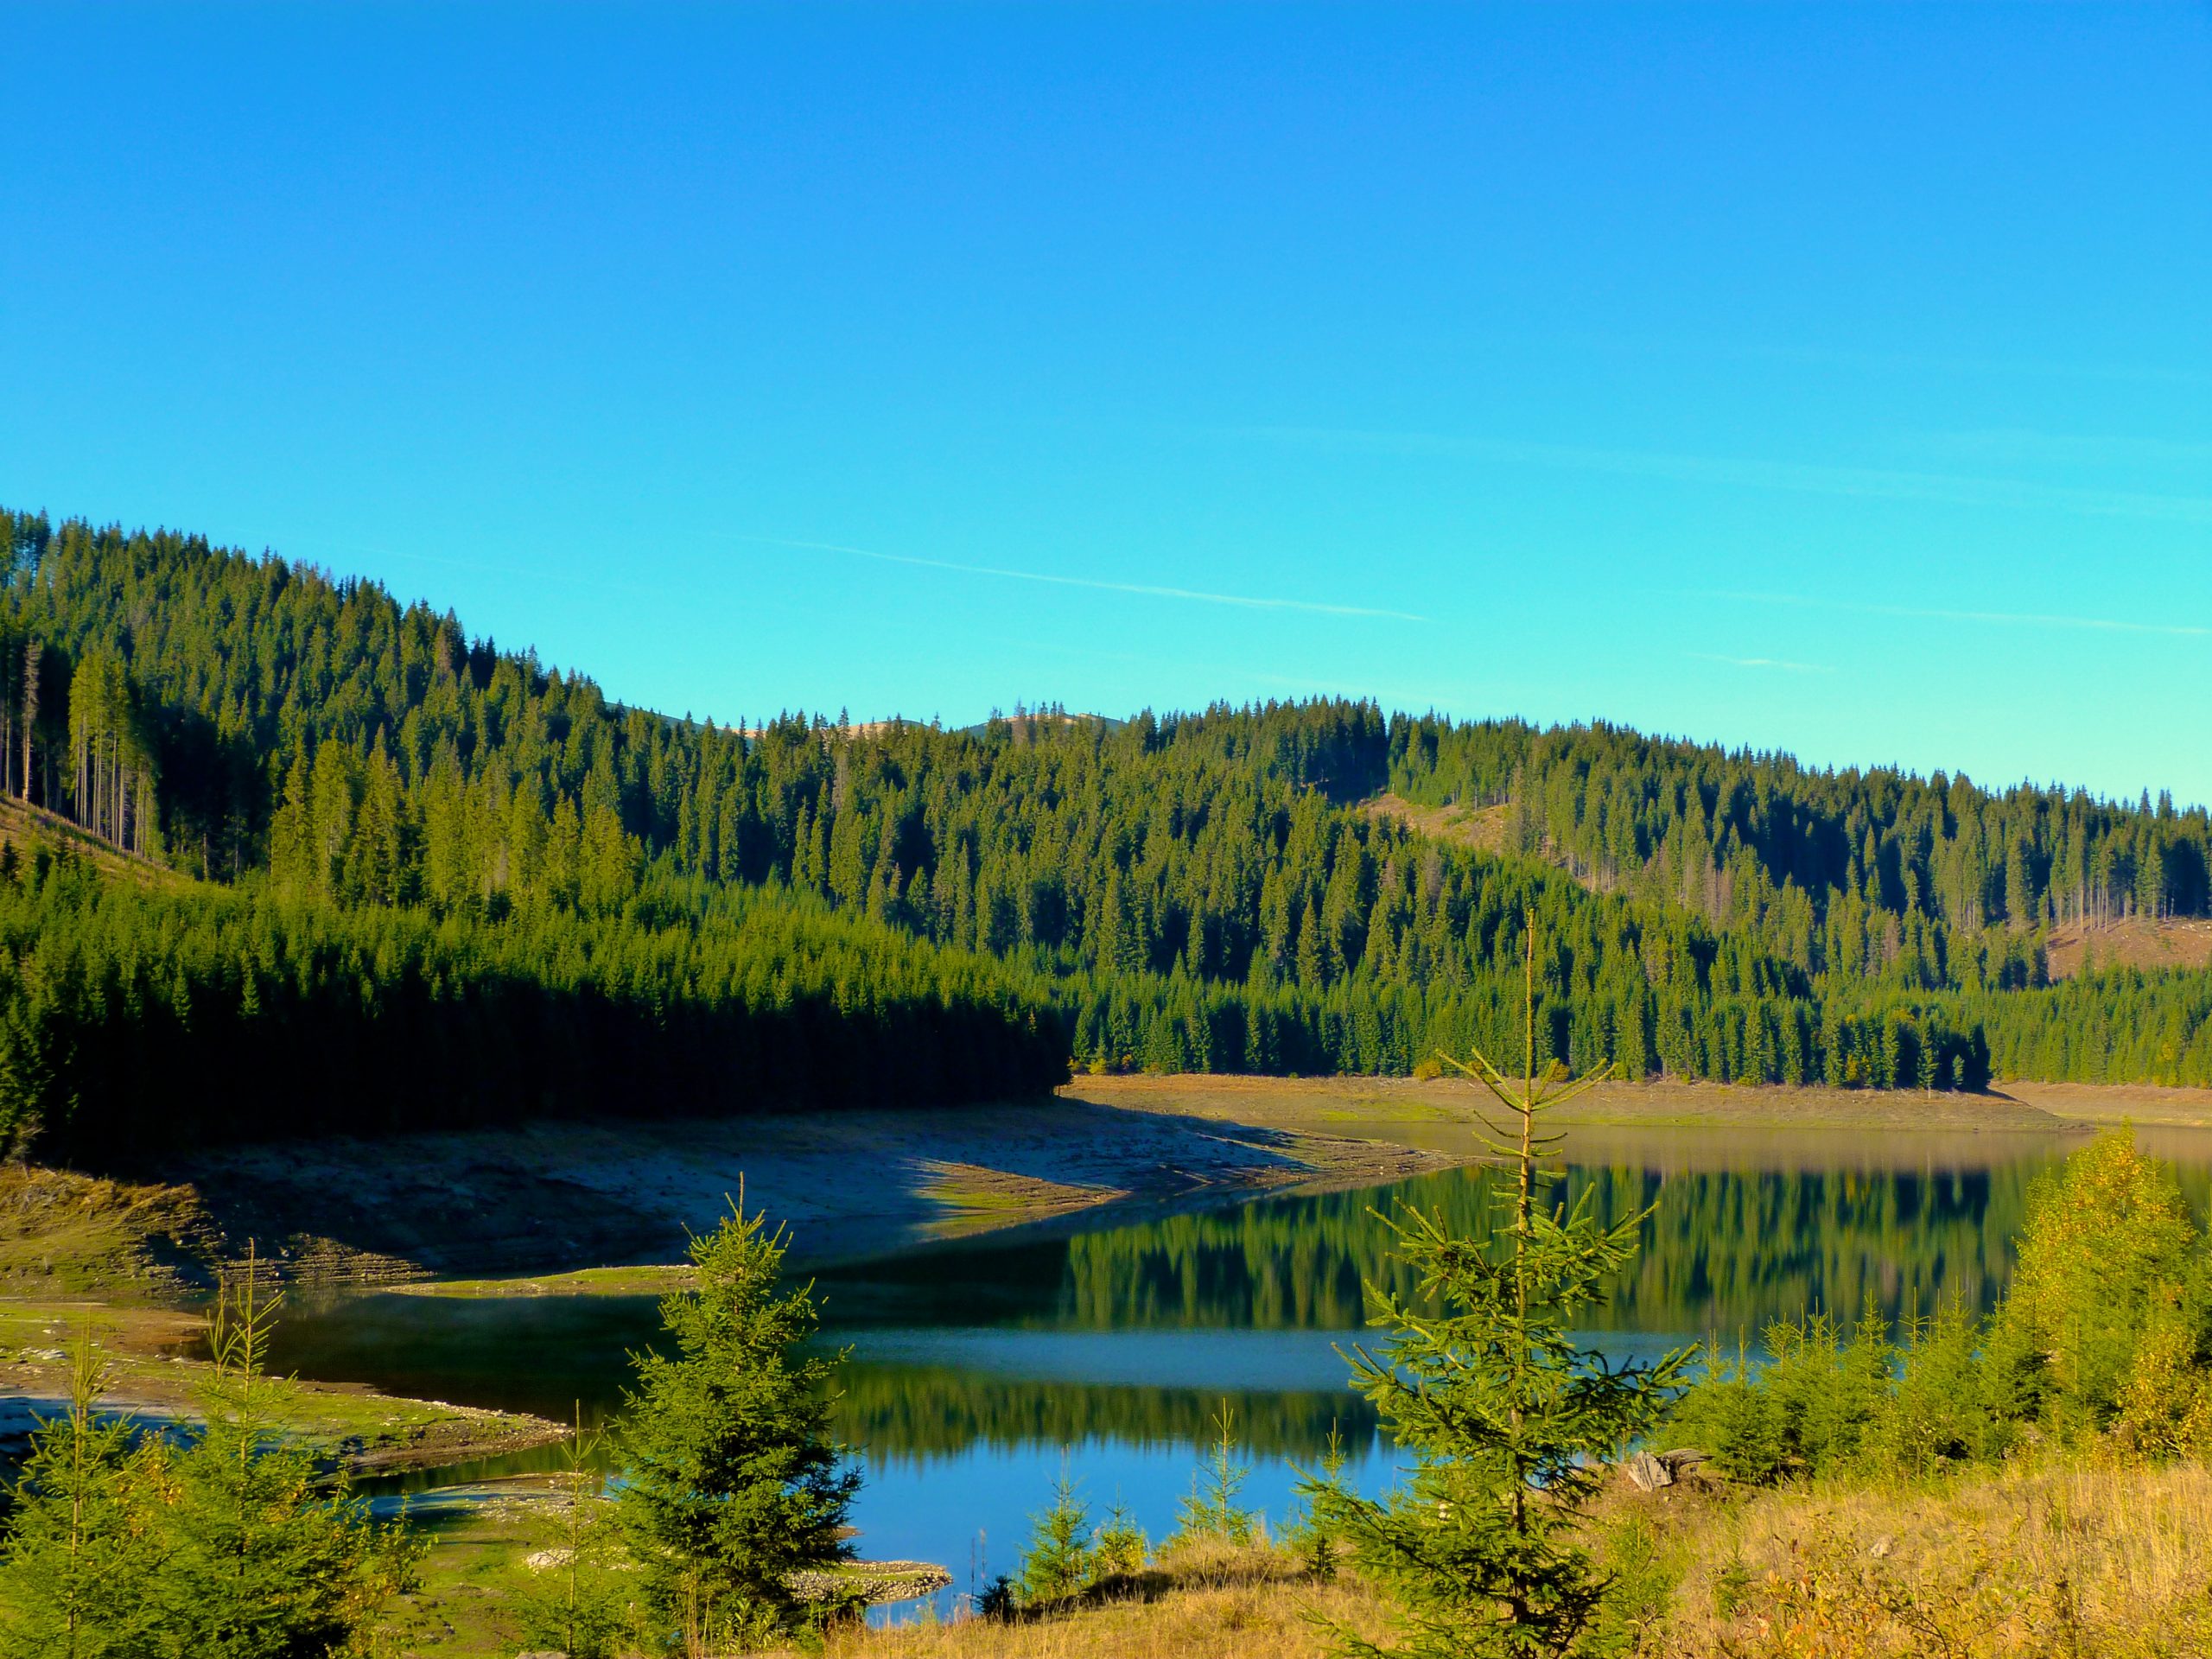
x: 978, y: 1368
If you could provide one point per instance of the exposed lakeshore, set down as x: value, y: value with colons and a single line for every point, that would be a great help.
x: 564, y: 1209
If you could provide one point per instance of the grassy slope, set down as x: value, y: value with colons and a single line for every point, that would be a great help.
x: 2056, y: 1563
x: 2138, y: 942
x: 27, y: 827
x: 2068, y: 1562
x: 65, y: 1234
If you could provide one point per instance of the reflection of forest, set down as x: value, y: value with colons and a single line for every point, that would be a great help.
x: 1724, y: 1251
x: 909, y: 1411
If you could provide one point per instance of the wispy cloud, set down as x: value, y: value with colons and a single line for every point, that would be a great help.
x: 1781, y: 662
x: 1877, y: 361
x: 2008, y: 618
x: 1246, y: 602
x: 1742, y: 472
x: 2146, y: 373
x: 2042, y: 448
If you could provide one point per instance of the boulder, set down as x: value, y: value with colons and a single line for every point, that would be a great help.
x: 1647, y: 1474
x: 1648, y: 1471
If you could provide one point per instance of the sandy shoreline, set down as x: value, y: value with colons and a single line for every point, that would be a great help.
x: 552, y: 1198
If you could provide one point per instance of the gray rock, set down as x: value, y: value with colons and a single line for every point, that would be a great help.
x: 1647, y: 1474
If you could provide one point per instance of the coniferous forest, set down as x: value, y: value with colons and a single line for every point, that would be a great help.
x: 396, y: 875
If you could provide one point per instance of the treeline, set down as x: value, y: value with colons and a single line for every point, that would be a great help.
x: 78, y: 736
x: 1195, y: 892
x: 133, y: 1020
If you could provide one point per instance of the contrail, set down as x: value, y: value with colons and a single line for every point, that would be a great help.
x: 1246, y: 602
x: 2016, y: 618
x: 1764, y: 662
x: 1740, y: 472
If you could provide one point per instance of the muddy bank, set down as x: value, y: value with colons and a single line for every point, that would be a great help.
x: 552, y: 1198
x: 153, y: 1371
x: 533, y: 1208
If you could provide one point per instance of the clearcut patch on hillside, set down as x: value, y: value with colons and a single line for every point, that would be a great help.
x: 1479, y: 828
x: 27, y: 828
x: 2138, y: 942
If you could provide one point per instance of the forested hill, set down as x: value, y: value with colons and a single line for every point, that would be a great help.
x: 1693, y: 823
x: 1199, y: 891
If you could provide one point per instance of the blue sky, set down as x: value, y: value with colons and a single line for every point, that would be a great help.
x: 1832, y: 378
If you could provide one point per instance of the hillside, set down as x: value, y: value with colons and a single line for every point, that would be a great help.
x: 1300, y: 887
x: 1695, y: 822
x: 27, y: 830
x: 2139, y: 942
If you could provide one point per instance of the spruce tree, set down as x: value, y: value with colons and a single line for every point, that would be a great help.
x: 1213, y: 1511
x: 732, y: 1482
x: 1313, y: 1534
x: 577, y: 1605
x: 1060, y: 1561
x: 1119, y: 1547
x: 263, y: 1555
x: 75, y: 1569
x: 1509, y: 1419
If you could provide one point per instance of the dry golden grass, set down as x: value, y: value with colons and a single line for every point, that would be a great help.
x: 67, y: 1234
x: 1482, y: 828
x: 1244, y: 1604
x: 2066, y: 1563
x: 27, y: 828
x: 2058, y: 1563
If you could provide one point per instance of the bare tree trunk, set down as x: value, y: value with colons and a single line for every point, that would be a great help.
x: 32, y: 653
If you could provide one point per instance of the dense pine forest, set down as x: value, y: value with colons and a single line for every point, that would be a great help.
x: 481, y: 889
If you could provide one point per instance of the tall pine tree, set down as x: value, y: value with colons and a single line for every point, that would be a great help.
x: 1508, y: 1418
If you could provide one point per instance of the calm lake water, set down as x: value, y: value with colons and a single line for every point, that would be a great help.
x: 976, y: 1369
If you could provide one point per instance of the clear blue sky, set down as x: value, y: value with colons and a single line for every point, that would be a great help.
x: 1837, y: 378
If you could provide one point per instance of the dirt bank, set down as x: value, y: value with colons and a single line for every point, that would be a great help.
x: 551, y: 1198
x: 532, y: 1208
x: 153, y: 1372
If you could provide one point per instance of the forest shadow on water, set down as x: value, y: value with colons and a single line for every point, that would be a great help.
x: 977, y: 1368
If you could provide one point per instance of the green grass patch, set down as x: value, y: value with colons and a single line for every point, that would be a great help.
x: 651, y: 1281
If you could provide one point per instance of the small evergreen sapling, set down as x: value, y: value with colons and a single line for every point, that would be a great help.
x: 74, y: 1568
x: 1314, y: 1533
x: 1122, y: 1547
x: 578, y: 1606
x: 733, y: 1483
x: 1060, y: 1561
x: 1506, y: 1416
x: 263, y: 1554
x: 1212, y: 1511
